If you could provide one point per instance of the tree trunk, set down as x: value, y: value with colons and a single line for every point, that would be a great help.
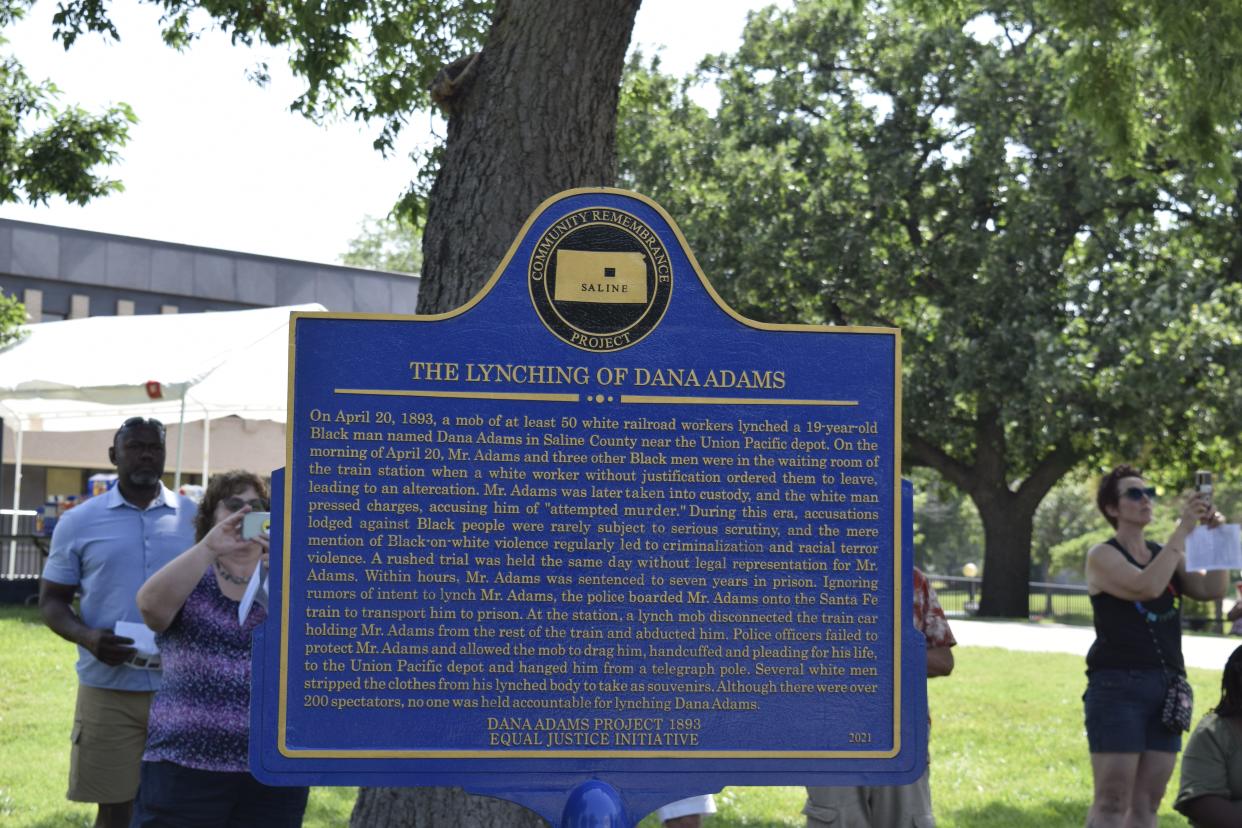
x: 434, y: 807
x: 533, y: 115
x: 1007, y: 530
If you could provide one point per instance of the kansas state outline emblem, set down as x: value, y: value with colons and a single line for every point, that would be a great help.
x: 600, y: 279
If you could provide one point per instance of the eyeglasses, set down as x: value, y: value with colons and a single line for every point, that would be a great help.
x: 234, y: 503
x: 1136, y: 494
x: 140, y: 422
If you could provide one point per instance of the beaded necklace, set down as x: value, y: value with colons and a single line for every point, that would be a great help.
x: 1158, y: 617
x: 229, y: 576
x: 1150, y: 616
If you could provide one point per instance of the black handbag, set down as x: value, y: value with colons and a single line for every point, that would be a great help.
x: 1179, y: 703
x: 1179, y: 698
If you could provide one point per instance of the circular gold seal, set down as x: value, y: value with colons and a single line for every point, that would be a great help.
x: 600, y: 279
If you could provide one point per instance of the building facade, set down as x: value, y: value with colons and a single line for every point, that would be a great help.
x: 61, y: 273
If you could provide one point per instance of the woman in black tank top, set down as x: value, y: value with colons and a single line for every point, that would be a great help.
x: 1136, y: 589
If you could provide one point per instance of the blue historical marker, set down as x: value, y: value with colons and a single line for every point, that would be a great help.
x: 593, y: 525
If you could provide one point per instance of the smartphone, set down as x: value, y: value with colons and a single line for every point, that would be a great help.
x: 1203, y: 481
x: 255, y: 524
x: 1203, y: 485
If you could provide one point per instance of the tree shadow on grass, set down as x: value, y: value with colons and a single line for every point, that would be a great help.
x: 1051, y: 814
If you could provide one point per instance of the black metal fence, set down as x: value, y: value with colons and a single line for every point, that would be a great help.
x: 1064, y: 603
x: 22, y: 552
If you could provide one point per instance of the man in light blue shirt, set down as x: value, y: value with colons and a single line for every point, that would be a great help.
x: 105, y: 549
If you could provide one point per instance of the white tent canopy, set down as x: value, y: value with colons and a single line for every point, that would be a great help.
x: 88, y: 374
x: 65, y: 376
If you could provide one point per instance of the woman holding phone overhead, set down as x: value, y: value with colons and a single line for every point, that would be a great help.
x: 195, y: 769
x: 1136, y: 588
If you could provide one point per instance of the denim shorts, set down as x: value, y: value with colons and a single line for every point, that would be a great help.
x: 174, y: 796
x: 1123, y: 712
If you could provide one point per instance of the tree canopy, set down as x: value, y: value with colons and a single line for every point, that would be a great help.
x: 870, y: 168
x: 513, y: 137
x: 12, y: 317
x: 390, y: 243
x: 379, y: 61
x: 370, y: 61
x: 1121, y: 55
x: 47, y: 149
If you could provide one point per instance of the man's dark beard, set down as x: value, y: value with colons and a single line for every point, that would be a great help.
x: 143, y: 479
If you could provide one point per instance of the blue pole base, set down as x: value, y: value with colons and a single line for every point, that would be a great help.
x: 595, y: 804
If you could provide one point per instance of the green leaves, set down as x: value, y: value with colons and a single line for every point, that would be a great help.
x: 46, y: 150
x: 392, y: 243
x: 12, y: 317
x: 867, y: 166
x: 369, y: 60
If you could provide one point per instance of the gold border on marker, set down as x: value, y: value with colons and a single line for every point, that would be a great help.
x: 663, y: 400
x: 463, y: 395
x: 432, y: 753
x: 898, y: 546
x: 899, y: 550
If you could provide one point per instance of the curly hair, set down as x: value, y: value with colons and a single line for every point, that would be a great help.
x: 222, y: 487
x: 1231, y: 687
x: 1107, y: 495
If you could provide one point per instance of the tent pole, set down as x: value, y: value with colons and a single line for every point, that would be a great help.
x: 17, y: 498
x: 206, y: 445
x: 180, y: 445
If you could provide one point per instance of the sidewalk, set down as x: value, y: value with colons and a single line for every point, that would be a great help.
x: 1208, y: 652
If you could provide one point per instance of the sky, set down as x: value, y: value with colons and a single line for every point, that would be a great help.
x: 217, y: 161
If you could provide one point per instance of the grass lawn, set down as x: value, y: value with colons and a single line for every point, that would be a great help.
x: 1007, y: 742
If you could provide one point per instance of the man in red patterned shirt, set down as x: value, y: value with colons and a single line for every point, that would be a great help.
x: 890, y: 805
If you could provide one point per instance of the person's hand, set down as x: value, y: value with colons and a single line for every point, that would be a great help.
x: 108, y: 647
x: 1197, y: 508
x: 265, y: 544
x: 225, y: 540
x: 1214, y: 518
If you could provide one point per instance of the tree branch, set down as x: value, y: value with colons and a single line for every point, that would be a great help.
x: 1054, y: 466
x: 919, y: 452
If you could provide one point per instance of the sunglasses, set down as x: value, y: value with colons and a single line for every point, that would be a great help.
x: 1136, y: 494
x: 234, y: 503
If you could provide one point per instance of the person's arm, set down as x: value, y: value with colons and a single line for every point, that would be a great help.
x: 164, y: 593
x: 939, y: 661
x: 1211, y: 811
x: 1109, y: 571
x: 686, y: 813
x: 1205, y: 586
x: 62, y: 576
x: 1204, y: 791
x: 936, y: 631
x: 56, y: 607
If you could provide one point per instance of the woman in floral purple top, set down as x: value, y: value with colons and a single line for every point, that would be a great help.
x: 195, y: 769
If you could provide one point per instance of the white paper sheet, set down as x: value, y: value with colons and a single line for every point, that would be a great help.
x: 148, y: 655
x: 256, y: 590
x: 1219, y: 548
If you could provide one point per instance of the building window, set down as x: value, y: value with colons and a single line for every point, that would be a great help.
x: 79, y: 306
x: 33, y: 300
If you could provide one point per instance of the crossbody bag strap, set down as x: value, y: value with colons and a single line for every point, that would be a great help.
x: 1164, y: 665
